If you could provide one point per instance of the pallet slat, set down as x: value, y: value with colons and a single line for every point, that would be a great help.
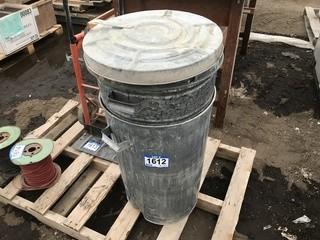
x: 53, y: 120
x: 173, y: 231
x: 83, y: 211
x: 228, y: 152
x: 51, y: 195
x: 124, y: 223
x: 209, y: 204
x: 313, y: 21
x: 229, y: 214
x: 53, y: 219
x: 76, y: 192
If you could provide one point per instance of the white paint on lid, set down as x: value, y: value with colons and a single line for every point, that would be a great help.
x: 153, y: 47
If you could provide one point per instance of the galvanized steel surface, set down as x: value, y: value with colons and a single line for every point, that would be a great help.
x: 153, y: 47
x: 159, y: 104
x: 164, y: 193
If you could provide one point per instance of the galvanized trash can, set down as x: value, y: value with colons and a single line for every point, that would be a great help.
x: 156, y: 72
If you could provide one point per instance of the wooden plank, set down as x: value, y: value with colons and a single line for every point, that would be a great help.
x: 62, y: 126
x: 57, y: 29
x: 209, y: 204
x: 70, y: 199
x: 88, y: 205
x: 53, y: 220
x: 228, y: 152
x: 67, y: 138
x: 124, y: 223
x: 51, y: 195
x: 14, y: 187
x: 45, y: 18
x: 174, y: 230
x: 53, y: 120
x: 308, y: 30
x: 230, y: 51
x: 229, y: 214
x: 98, y: 163
x: 104, y: 16
x: 248, y: 24
x: 313, y: 21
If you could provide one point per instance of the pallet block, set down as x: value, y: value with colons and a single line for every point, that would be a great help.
x: 86, y: 182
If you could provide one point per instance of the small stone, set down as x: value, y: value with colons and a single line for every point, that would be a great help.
x: 265, y: 113
x: 290, y: 55
x: 283, y: 101
x: 267, y: 227
x: 270, y: 65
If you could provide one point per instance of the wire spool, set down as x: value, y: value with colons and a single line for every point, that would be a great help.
x: 9, y: 135
x: 37, y: 168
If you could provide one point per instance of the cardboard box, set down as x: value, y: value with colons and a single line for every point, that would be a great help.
x: 17, y: 29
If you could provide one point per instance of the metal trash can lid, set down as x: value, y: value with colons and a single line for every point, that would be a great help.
x: 153, y: 47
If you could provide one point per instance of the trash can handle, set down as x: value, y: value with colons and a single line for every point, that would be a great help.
x: 117, y: 105
x: 117, y: 147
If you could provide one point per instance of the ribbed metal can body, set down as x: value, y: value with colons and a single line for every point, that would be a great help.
x: 161, y: 170
x: 156, y: 72
x: 159, y: 104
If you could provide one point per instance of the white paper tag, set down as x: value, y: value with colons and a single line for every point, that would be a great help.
x: 36, y: 12
x: 156, y: 161
x: 92, y: 146
x: 16, y: 151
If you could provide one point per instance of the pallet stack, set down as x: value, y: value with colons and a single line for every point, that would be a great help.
x: 82, y: 11
x: 41, y: 22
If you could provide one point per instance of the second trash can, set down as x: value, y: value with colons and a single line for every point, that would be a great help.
x: 156, y: 72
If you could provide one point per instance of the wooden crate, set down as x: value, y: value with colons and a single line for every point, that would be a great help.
x: 69, y: 204
x: 42, y: 9
x: 30, y: 48
x: 45, y: 18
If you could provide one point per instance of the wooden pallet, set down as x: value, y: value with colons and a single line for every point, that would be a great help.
x: 312, y: 23
x: 80, y: 6
x: 30, y: 48
x: 86, y: 182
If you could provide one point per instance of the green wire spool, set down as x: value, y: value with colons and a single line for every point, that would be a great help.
x: 8, y: 136
x: 29, y: 151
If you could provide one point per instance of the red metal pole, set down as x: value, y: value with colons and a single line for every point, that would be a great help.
x: 77, y: 71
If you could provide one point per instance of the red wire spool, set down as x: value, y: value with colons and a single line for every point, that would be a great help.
x: 37, y: 168
x: 40, y: 174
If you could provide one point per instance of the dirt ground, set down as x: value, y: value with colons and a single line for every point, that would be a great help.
x: 273, y: 109
x: 283, y: 17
